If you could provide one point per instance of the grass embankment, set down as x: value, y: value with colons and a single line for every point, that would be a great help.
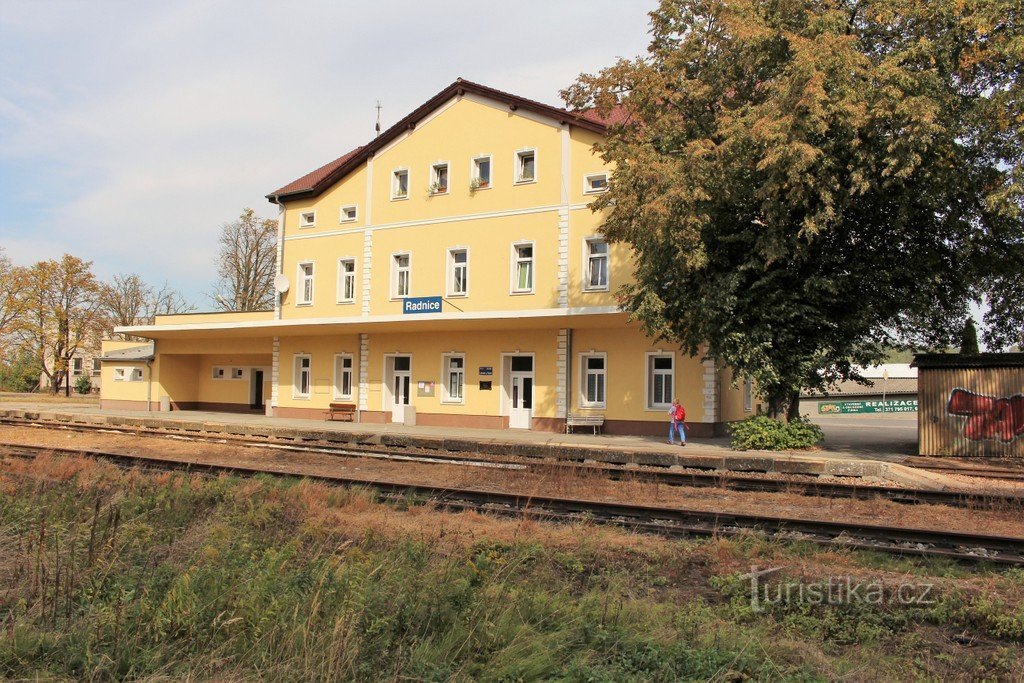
x: 105, y: 575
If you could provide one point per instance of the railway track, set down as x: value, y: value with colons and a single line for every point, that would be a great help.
x: 711, y: 478
x: 664, y: 521
x: 980, y: 472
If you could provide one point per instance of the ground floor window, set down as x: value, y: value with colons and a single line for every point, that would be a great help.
x: 455, y: 378
x: 660, y: 374
x: 343, y: 375
x: 127, y: 374
x: 592, y: 380
x: 301, y: 375
x: 748, y: 395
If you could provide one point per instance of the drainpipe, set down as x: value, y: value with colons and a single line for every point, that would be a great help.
x: 568, y: 372
x: 280, y: 252
x: 149, y: 386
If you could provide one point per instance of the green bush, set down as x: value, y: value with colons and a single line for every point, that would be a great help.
x: 766, y: 434
x: 83, y: 385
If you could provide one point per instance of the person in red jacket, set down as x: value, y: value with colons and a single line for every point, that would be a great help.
x: 677, y: 416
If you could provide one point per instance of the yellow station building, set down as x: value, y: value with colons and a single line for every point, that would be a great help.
x: 450, y: 272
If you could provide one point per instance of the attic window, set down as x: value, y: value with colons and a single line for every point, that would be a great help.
x: 307, y: 219
x: 526, y: 166
x: 348, y: 214
x: 595, y: 182
x: 400, y: 184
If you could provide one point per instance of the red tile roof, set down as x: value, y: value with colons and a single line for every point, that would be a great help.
x: 618, y: 115
x: 314, y: 183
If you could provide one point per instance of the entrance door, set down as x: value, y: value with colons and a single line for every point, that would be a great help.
x: 400, y: 369
x: 521, y: 392
x: 256, y: 388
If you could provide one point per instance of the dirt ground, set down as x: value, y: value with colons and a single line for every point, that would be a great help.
x: 570, y: 481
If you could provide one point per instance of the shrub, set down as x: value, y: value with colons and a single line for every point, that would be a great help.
x: 766, y: 434
x: 83, y: 385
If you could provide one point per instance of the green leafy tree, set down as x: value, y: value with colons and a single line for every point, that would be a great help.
x: 969, y: 338
x: 807, y: 184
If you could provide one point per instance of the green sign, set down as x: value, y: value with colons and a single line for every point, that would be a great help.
x: 902, y: 405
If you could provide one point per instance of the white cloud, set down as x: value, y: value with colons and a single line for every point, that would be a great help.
x: 130, y: 132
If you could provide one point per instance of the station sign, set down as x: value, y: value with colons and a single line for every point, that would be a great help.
x: 421, y: 304
x: 901, y: 405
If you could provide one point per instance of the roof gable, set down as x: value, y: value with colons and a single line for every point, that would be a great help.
x: 318, y: 181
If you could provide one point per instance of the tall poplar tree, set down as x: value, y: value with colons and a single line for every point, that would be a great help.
x: 806, y: 183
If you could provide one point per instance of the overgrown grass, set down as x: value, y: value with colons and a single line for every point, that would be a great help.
x: 106, y: 575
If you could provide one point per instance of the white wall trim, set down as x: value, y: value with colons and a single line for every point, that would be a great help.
x: 364, y: 371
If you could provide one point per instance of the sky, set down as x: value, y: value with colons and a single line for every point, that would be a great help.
x: 130, y: 131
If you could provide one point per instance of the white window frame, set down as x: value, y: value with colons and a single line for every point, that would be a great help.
x: 450, y: 272
x: 80, y: 362
x: 343, y: 276
x: 587, y: 241
x: 311, y: 223
x: 748, y: 395
x: 237, y: 373
x: 649, y: 377
x: 395, y: 295
x: 584, y: 402
x: 474, y: 171
x: 433, y: 177
x: 446, y: 398
x: 514, y: 268
x: 119, y: 374
x: 297, y: 373
x: 517, y: 166
x: 343, y: 218
x: 300, y: 280
x: 589, y: 189
x: 219, y: 372
x: 395, y: 197
x: 97, y: 366
x: 339, y: 371
x: 136, y: 375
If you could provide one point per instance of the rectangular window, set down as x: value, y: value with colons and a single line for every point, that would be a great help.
x: 343, y: 376
x: 592, y: 380
x: 594, y: 183
x: 218, y: 373
x: 748, y: 395
x: 301, y: 375
x: 307, y: 219
x: 455, y: 378
x: 346, y: 280
x: 458, y: 272
x: 522, y: 268
x: 401, y: 276
x: 347, y: 214
x: 660, y: 374
x: 127, y: 374
x: 596, y: 265
x: 481, y: 173
x: 96, y: 365
x: 439, y: 178
x: 76, y: 366
x: 136, y: 375
x: 305, y: 284
x: 400, y: 184
x: 526, y: 166
x: 237, y: 373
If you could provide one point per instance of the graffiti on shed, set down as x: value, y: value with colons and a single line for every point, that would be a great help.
x: 988, y: 418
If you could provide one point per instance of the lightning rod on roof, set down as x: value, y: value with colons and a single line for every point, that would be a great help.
x: 377, y: 127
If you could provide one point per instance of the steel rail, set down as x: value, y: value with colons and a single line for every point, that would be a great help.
x: 724, y: 479
x: 666, y: 521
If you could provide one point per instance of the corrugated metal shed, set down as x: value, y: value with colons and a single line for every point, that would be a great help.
x: 971, y: 405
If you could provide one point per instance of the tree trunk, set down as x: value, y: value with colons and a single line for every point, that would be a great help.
x: 793, y: 413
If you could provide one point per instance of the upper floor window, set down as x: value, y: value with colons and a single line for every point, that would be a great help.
x: 400, y: 184
x: 522, y: 268
x: 595, y: 182
x: 454, y: 378
x: 481, y: 178
x: 526, y: 166
x: 346, y: 280
x: 305, y: 284
x: 592, y: 380
x: 401, y: 275
x: 347, y: 214
x: 439, y: 178
x: 660, y: 374
x: 343, y: 375
x: 300, y: 376
x: 596, y: 264
x: 458, y: 272
x: 307, y: 219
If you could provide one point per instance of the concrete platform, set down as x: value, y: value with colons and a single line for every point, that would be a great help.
x: 703, y: 453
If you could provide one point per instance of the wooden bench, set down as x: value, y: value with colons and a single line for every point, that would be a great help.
x: 346, y: 410
x: 578, y: 420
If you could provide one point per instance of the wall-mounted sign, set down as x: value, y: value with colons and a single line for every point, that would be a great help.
x: 486, y: 370
x: 902, y: 405
x: 424, y: 389
x: 485, y: 386
x: 421, y: 304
